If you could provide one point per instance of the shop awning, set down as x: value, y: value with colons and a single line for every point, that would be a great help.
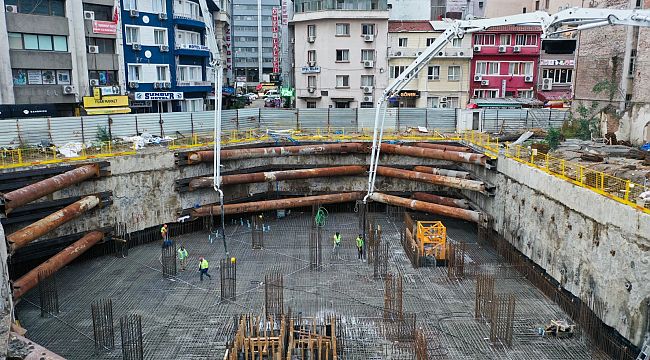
x: 106, y: 111
x: 555, y: 95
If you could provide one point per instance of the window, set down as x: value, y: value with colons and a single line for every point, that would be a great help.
x: 158, y: 6
x: 160, y: 36
x: 134, y: 72
x: 432, y: 102
x: 484, y: 39
x: 102, y: 12
x: 45, y: 42
x: 453, y: 102
x: 342, y: 104
x: 311, y: 56
x: 189, y: 73
x: 430, y: 41
x: 342, y: 29
x: 456, y: 42
x: 487, y: 68
x: 161, y: 73
x: 104, y: 77
x: 187, y: 37
x: 311, y: 104
x: 37, y: 42
x: 311, y: 81
x: 342, y: 81
x: 192, y: 105
x: 132, y: 35
x: 15, y: 41
x: 366, y: 105
x: 504, y: 39
x: 526, y: 93
x: 343, y: 55
x: 44, y: 7
x: 106, y: 46
x: 367, y: 80
x: 311, y: 30
x: 367, y: 29
x: 486, y: 93
x: 520, y: 69
x: 367, y: 55
x: 559, y: 76
x: 453, y: 73
x: 526, y: 39
x: 40, y: 77
x: 433, y: 72
x: 632, y: 67
x: 396, y: 71
x: 130, y: 4
x: 402, y: 42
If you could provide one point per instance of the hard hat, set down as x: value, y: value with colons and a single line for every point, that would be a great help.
x: 232, y: 259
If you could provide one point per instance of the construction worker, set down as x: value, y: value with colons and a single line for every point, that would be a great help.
x: 203, y: 268
x: 360, y: 247
x: 182, y: 256
x: 337, y: 241
x: 164, y: 232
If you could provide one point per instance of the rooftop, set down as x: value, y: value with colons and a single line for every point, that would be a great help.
x: 409, y: 26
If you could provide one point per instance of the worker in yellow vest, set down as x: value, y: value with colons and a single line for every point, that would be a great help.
x: 182, y: 256
x: 337, y: 242
x: 203, y: 268
x: 360, y: 247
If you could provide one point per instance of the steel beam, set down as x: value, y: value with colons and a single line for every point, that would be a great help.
x: 441, y: 200
x: 278, y: 151
x: 270, y: 176
x: 438, y: 154
x: 39, y: 189
x: 444, y: 147
x: 442, y: 172
x: 257, y: 206
x: 56, y: 262
x: 41, y: 227
x: 431, y: 179
x: 418, y: 205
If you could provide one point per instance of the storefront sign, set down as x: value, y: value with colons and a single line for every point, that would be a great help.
x: 228, y: 50
x: 194, y: 47
x: 310, y: 69
x: 104, y: 27
x: 240, y: 78
x: 105, y: 101
x: 409, y: 94
x: 27, y: 110
x: 140, y: 104
x: 551, y: 62
x: 276, y: 40
x: 158, y: 96
x: 108, y: 110
x: 285, y: 13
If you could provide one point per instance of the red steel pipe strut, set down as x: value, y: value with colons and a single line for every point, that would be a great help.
x: 256, y: 206
x: 56, y: 262
x: 43, y: 226
x: 431, y: 179
x: 270, y: 176
x: 464, y: 157
x: 278, y: 151
x: 418, y: 205
x: 29, y: 193
x: 441, y: 200
x: 442, y: 172
x: 444, y: 147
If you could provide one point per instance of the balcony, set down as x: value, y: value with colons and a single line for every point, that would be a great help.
x: 188, y: 18
x: 192, y: 50
x: 193, y: 83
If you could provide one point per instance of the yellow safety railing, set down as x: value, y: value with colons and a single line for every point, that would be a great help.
x: 621, y: 190
x: 12, y: 158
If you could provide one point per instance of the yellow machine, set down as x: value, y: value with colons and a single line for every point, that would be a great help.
x: 431, y: 237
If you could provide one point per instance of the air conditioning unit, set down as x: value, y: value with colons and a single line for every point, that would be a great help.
x: 311, y: 89
x: 134, y: 84
x: 444, y: 105
x: 162, y: 16
x: 367, y: 98
x: 293, y: 41
x: 89, y: 15
x: 441, y: 54
x: 485, y: 82
x: 11, y: 9
x: 443, y: 99
x: 157, y: 85
x: 478, y: 77
x: 164, y: 48
x: 136, y: 46
x: 398, y: 53
x: 368, y: 38
x: 166, y: 85
x: 516, y: 48
x: 547, y: 84
x: 528, y: 78
x: 311, y: 38
x: 367, y: 89
x: 460, y: 53
x: 94, y: 82
x: 93, y: 49
x: 502, y: 48
x: 69, y: 90
x: 311, y: 63
x: 134, y: 13
x: 368, y: 64
x: 477, y: 48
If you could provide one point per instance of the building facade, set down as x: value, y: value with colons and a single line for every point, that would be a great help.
x: 505, y: 62
x: 340, y: 52
x: 453, y: 9
x: 223, y: 33
x: 165, y: 54
x: 444, y: 82
x: 497, y: 8
x: 556, y: 68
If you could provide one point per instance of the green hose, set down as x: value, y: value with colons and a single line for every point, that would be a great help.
x: 321, y: 216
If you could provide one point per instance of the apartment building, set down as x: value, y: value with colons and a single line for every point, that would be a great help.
x: 340, y: 52
x: 556, y: 68
x: 444, y: 83
x: 223, y: 33
x: 505, y: 62
x: 497, y: 8
x: 166, y: 55
x: 438, y: 9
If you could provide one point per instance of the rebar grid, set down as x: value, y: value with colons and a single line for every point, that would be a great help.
x: 168, y: 260
x: 393, y: 298
x: 131, y: 330
x: 484, y: 297
x: 48, y: 294
x: 315, y: 243
x: 501, y: 319
x: 257, y: 232
x: 274, y: 294
x: 420, y: 346
x: 103, y: 330
x: 228, y: 276
x: 455, y: 260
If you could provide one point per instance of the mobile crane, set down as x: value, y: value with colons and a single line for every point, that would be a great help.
x: 578, y: 18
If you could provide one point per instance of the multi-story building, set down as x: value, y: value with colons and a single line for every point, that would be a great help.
x: 340, y: 52
x: 166, y: 54
x: 505, y: 62
x: 445, y: 81
x: 556, y: 66
x: 453, y: 9
x: 223, y: 34
x: 496, y: 8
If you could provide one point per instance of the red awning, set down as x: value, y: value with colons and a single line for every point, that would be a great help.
x: 555, y: 95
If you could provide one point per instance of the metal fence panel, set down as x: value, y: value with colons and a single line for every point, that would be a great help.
x: 249, y: 119
x: 343, y: 120
x: 124, y: 125
x: 149, y: 123
x: 65, y: 130
x: 9, y: 133
x: 176, y: 125
x: 312, y: 119
x: 203, y: 123
x: 228, y: 120
x: 498, y: 120
x: 411, y: 118
x: 441, y: 119
x: 34, y: 131
x: 367, y: 119
x: 91, y: 126
x: 278, y: 119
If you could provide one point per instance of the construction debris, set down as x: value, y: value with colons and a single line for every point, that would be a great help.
x: 558, y: 328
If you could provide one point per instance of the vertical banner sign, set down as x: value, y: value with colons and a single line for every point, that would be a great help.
x: 228, y: 49
x: 285, y: 13
x: 276, y: 40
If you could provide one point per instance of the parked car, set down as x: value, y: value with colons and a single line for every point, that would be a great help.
x: 273, y: 101
x: 252, y: 96
x: 247, y: 100
x: 271, y: 93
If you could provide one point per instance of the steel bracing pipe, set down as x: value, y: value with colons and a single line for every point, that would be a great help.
x: 278, y: 151
x: 56, y: 262
x: 444, y: 147
x: 441, y: 200
x: 464, y: 157
x: 29, y: 193
x: 452, y: 182
x: 256, y: 206
x: 424, y: 206
x: 41, y: 227
x: 270, y: 176
x: 442, y: 172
